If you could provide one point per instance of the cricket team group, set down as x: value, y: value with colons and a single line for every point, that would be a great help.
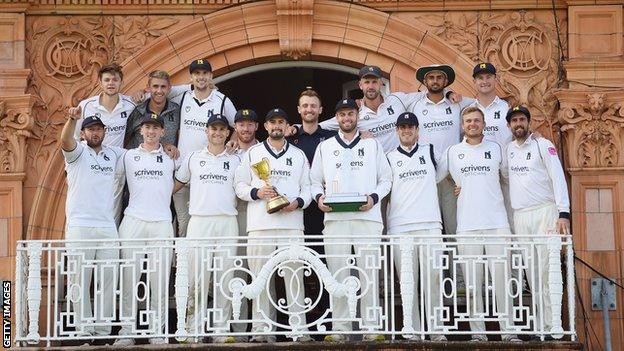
x: 421, y: 163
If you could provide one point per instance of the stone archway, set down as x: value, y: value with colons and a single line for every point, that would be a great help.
x: 241, y: 36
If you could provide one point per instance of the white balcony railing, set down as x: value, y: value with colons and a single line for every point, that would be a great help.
x: 131, y: 287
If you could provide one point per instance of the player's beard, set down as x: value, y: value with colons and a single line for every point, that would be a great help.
x: 348, y: 129
x: 371, y: 94
x: 94, y: 143
x: 520, y: 133
x: 436, y: 89
x: 276, y: 134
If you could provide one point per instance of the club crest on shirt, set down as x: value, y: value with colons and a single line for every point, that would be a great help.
x: 361, y: 152
x: 137, y: 158
x: 422, y: 160
x: 106, y: 157
x: 528, y: 157
x: 399, y: 163
x: 159, y: 159
x: 497, y: 115
x: 461, y: 156
x: 202, y: 163
x: 289, y: 161
x: 390, y: 110
x: 124, y: 114
x: 449, y: 111
x: 226, y: 165
x: 187, y: 109
x: 488, y: 155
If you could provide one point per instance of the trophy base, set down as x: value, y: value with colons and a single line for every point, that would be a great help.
x: 345, y: 202
x: 276, y: 203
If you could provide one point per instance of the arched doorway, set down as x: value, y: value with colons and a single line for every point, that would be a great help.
x: 251, y: 34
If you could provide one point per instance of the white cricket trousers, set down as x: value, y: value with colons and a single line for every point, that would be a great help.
x: 472, y: 249
x: 260, y: 249
x: 448, y: 204
x: 407, y: 251
x: 367, y: 252
x: 211, y: 259
x: 157, y: 254
x: 181, y: 204
x: 99, y: 258
x: 540, y: 220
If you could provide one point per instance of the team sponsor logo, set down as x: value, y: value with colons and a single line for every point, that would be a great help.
x: 356, y: 164
x: 226, y: 165
x: 472, y: 169
x: 137, y: 158
x: 148, y: 173
x: 289, y: 161
x: 438, y: 125
x: 528, y: 156
x: 383, y: 128
x: 552, y: 151
x: 361, y: 152
x: 424, y: 112
x: 520, y: 170
x: 418, y: 173
x: 280, y: 173
x: 461, y: 156
x: 202, y: 163
x: 187, y: 109
x: 488, y: 155
x: 449, y: 111
x: 159, y: 159
x: 195, y: 124
x: 106, y: 157
x: 399, y: 163
x: 497, y: 115
x: 390, y: 110
x: 113, y: 129
x: 98, y: 168
x: 213, y: 177
x: 490, y: 129
x: 422, y: 160
x: 336, y: 152
x: 124, y: 114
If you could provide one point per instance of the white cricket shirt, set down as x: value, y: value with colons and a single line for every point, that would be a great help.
x: 477, y: 170
x: 439, y: 123
x: 90, y: 185
x: 150, y: 182
x: 114, y: 122
x: 212, y: 182
x: 495, y: 123
x: 535, y: 175
x: 414, y: 195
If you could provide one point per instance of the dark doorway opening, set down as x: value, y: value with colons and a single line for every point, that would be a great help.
x: 280, y: 87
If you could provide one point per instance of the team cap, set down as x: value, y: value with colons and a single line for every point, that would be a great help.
x: 154, y: 119
x: 91, y: 120
x: 215, y: 119
x: 518, y: 109
x: 276, y: 112
x: 446, y: 69
x: 346, y: 103
x: 246, y: 114
x: 200, y: 64
x: 483, y: 67
x: 370, y: 71
x: 408, y: 119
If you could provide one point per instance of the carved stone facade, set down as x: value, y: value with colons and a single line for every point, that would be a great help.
x: 51, y: 50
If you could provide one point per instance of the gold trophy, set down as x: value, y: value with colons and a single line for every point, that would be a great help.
x: 262, y: 170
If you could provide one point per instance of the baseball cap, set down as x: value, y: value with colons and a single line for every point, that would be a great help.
x: 276, y: 112
x: 483, y: 67
x: 408, y: 119
x: 91, y: 120
x: 346, y: 103
x: 200, y: 64
x: 153, y: 118
x: 216, y: 118
x: 518, y: 109
x: 370, y: 71
x: 446, y: 69
x: 246, y: 114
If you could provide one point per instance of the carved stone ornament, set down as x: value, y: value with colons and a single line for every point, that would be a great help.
x: 592, y: 122
x: 294, y: 25
x: 16, y: 124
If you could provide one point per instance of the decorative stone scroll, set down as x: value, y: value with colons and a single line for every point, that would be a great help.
x: 294, y: 26
x: 592, y: 121
x: 16, y: 124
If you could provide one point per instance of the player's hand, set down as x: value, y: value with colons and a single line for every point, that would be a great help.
x: 266, y: 192
x: 563, y: 226
x: 322, y: 206
x: 290, y: 131
x: 74, y: 112
x: 172, y: 151
x: 369, y: 204
x: 138, y: 96
x: 231, y: 146
x: 291, y: 207
x: 365, y: 134
x: 456, y: 190
x: 455, y: 97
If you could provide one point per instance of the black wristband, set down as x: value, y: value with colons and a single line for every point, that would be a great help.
x: 300, y: 202
x: 375, y: 198
x: 254, y: 194
x: 564, y: 215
